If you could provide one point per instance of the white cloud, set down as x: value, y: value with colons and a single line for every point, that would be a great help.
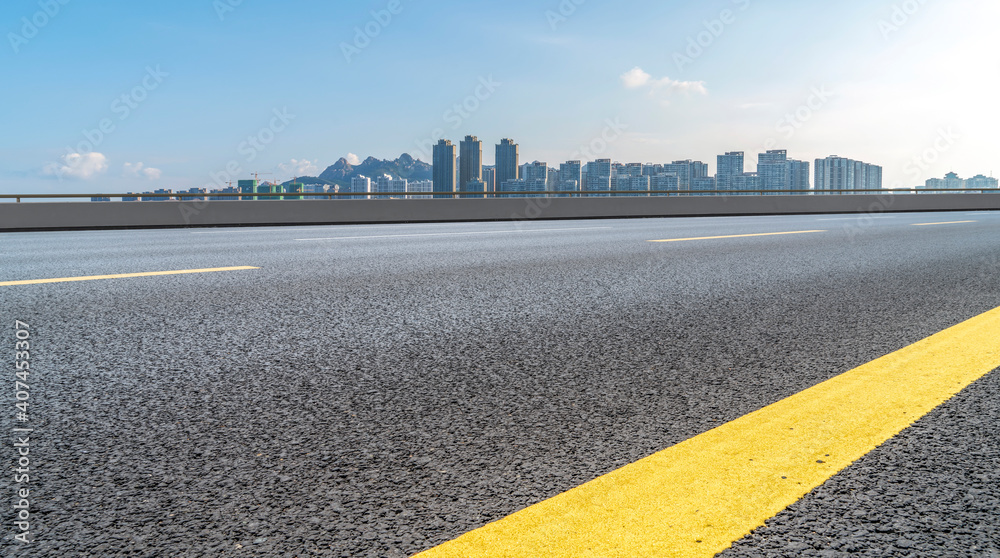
x: 300, y: 168
x: 139, y: 170
x: 637, y: 78
x: 353, y: 159
x: 78, y: 166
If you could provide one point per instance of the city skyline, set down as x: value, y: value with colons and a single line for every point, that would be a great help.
x: 906, y: 85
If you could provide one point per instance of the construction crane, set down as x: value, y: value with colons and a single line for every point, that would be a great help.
x: 256, y: 180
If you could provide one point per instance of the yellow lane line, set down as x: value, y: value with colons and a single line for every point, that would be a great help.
x: 122, y: 276
x: 948, y: 223
x: 735, y: 236
x: 698, y: 497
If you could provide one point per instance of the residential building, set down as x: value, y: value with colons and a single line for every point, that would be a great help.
x: 799, y: 175
x: 536, y: 171
x: 470, y: 162
x: 247, y: 187
x: 980, y: 182
x: 651, y: 170
x: 665, y: 182
x: 772, y: 167
x: 599, y: 176
x: 227, y: 190
x: 475, y: 186
x: 507, y: 161
x: 159, y: 198
x: 200, y: 197
x: 839, y: 173
x: 269, y: 188
x: 490, y: 178
x: 703, y: 184
x: 634, y: 183
x: 686, y: 171
x: 419, y: 186
x: 729, y: 166
x: 747, y: 182
x: 634, y: 169
x: 293, y: 188
x: 315, y: 189
x: 360, y: 185
x: 444, y: 168
x: 570, y: 176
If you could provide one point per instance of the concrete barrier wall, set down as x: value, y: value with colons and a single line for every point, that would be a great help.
x: 124, y: 215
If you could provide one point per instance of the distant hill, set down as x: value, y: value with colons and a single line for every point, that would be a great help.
x: 405, y: 166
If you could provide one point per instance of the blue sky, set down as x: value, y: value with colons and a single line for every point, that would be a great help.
x: 909, y: 85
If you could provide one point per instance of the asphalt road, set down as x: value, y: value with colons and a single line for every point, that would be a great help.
x: 378, y: 390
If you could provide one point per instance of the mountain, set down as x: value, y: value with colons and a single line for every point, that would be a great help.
x: 405, y: 166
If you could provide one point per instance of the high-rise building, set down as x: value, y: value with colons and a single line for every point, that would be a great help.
x: 703, y: 184
x: 730, y: 166
x: 665, y: 182
x: 634, y: 183
x: 570, y: 176
x: 507, y: 162
x: 470, y: 161
x: 315, y: 189
x: 779, y: 173
x: 772, y: 167
x: 517, y: 188
x: 226, y: 190
x: 386, y: 184
x: 420, y: 186
x: 536, y: 171
x: 981, y: 182
x: 839, y: 173
x: 747, y: 182
x: 360, y: 185
x: 634, y: 169
x: 649, y: 169
x: 799, y: 175
x: 490, y: 178
x: 474, y: 186
x: 270, y: 188
x: 247, y: 187
x: 161, y: 191
x: 444, y: 168
x: 599, y: 176
x: 293, y: 188
x: 686, y: 171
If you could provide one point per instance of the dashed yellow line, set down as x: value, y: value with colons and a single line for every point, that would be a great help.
x: 121, y: 276
x: 695, y: 499
x: 947, y: 223
x: 735, y: 236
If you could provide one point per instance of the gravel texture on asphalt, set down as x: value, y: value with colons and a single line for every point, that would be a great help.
x: 379, y: 396
x: 931, y: 491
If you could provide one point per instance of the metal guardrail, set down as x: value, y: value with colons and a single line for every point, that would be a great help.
x: 297, y: 196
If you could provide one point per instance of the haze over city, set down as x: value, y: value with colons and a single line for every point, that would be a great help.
x: 179, y: 91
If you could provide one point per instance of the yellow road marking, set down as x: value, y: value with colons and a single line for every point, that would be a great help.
x: 948, y: 223
x: 122, y: 276
x: 698, y: 497
x: 735, y: 236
